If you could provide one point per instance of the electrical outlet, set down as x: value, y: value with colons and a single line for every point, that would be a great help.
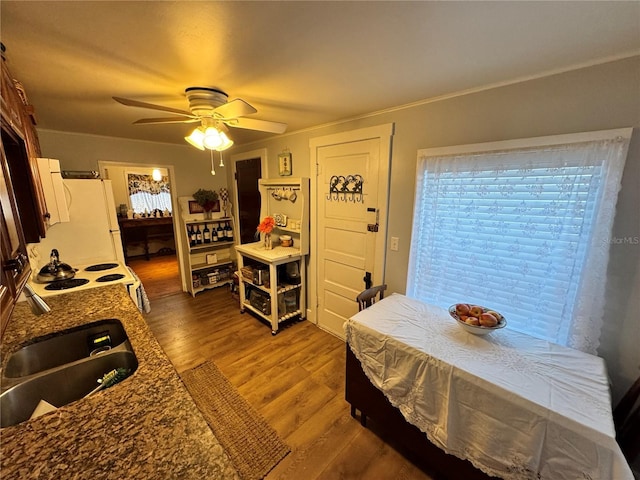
x: 394, y: 243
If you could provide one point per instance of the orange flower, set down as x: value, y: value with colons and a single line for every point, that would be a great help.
x: 266, y: 226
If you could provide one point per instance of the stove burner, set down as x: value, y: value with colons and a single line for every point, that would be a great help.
x: 66, y: 284
x: 110, y: 278
x: 100, y: 266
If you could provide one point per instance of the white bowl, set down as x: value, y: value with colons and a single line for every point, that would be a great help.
x: 477, y: 330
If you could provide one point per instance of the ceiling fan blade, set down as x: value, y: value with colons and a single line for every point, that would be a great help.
x: 147, y: 121
x: 255, y: 124
x: 234, y: 109
x: 135, y: 103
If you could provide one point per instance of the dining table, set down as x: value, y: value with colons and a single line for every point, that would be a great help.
x: 144, y: 231
x: 517, y: 407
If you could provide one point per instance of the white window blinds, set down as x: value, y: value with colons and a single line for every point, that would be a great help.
x: 523, y: 229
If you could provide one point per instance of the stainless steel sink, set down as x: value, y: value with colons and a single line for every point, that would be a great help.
x: 62, y: 367
x: 67, y: 346
x: 60, y: 386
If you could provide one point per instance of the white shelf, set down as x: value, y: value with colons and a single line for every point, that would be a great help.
x: 281, y: 318
x: 290, y: 230
x: 208, y: 220
x: 203, y: 266
x: 298, y: 212
x: 276, y: 255
x: 281, y: 288
x: 205, y: 246
x: 202, y: 288
x: 194, y: 262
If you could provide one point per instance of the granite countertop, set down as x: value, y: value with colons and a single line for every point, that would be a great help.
x: 145, y: 427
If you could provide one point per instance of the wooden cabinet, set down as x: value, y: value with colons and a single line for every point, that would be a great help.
x: 23, y: 209
x: 273, y: 280
x: 14, y: 262
x: 209, y: 261
x: 21, y: 148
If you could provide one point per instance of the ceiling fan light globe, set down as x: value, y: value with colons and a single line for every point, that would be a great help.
x: 212, y: 139
x: 196, y: 138
x: 226, y: 142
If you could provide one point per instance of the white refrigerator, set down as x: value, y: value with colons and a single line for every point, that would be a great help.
x: 92, y: 234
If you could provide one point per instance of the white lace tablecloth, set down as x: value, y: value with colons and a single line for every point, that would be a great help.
x: 515, y: 406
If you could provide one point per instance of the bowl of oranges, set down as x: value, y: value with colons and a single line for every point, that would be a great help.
x: 477, y: 319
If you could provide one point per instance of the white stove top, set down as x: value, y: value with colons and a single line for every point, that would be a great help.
x: 116, y: 273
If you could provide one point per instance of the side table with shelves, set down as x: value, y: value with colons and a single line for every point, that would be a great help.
x: 274, y: 296
x: 209, y: 263
x: 277, y: 293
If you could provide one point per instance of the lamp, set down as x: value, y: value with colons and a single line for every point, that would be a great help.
x: 196, y: 138
x: 156, y: 175
x: 209, y: 136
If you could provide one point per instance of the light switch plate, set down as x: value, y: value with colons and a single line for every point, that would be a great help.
x: 394, y: 243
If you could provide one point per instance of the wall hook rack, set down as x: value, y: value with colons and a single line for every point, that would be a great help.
x: 346, y: 188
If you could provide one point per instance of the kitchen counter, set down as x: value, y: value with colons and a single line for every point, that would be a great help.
x: 145, y: 427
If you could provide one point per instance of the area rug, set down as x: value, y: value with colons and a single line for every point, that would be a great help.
x: 252, y: 444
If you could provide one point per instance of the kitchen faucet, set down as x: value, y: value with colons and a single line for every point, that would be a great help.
x: 37, y: 304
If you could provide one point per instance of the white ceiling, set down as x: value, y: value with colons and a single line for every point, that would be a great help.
x: 302, y: 63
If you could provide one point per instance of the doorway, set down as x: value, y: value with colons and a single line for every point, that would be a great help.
x: 351, y: 228
x: 161, y: 273
x: 248, y: 168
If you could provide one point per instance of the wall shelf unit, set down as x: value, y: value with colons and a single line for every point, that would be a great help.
x: 273, y: 281
x: 209, y: 261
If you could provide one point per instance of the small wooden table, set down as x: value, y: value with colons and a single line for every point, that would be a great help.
x: 142, y: 230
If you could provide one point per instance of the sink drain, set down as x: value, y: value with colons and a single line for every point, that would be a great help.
x: 100, y: 350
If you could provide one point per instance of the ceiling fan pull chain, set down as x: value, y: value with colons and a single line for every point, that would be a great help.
x: 213, y: 168
x: 221, y: 161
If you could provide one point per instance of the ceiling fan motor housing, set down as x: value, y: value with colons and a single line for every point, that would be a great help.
x: 204, y: 100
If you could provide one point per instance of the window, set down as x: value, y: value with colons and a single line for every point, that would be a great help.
x: 147, y: 194
x: 522, y: 227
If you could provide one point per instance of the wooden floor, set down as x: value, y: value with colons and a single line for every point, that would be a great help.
x: 294, y: 379
x: 159, y: 275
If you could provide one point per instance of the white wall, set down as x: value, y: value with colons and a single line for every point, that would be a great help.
x: 82, y: 152
x: 596, y: 98
x: 602, y: 97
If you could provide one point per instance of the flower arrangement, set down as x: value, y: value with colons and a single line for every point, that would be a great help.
x: 266, y: 227
x: 206, y: 199
x: 267, y: 224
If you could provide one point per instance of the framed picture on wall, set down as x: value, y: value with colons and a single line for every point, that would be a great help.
x: 284, y: 163
x: 195, y: 207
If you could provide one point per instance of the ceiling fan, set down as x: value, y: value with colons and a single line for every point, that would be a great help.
x: 212, y: 109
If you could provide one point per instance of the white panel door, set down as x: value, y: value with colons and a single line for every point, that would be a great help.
x: 347, y: 249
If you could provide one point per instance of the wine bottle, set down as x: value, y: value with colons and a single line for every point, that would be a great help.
x: 214, y: 234
x: 206, y: 234
x: 198, y: 235
x: 221, y: 235
x: 192, y: 236
x: 228, y: 232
